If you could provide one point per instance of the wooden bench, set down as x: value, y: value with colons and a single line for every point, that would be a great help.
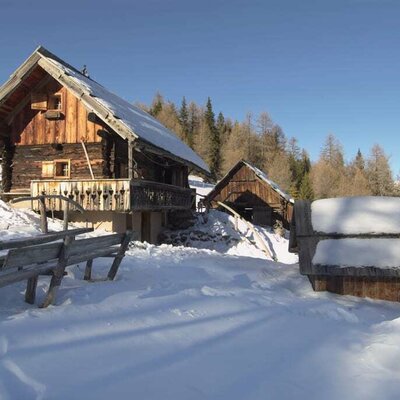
x: 35, y: 258
x: 343, y: 276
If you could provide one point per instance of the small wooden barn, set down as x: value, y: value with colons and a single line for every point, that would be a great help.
x: 349, y: 246
x: 250, y: 192
x: 62, y: 133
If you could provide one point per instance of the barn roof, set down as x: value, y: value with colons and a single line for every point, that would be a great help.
x: 127, y: 120
x: 260, y: 174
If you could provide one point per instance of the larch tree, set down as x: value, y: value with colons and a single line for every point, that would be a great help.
x: 379, y: 174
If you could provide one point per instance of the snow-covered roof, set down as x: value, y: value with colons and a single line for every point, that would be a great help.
x: 263, y: 176
x: 356, y: 215
x: 126, y: 119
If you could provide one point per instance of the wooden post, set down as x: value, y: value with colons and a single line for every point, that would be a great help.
x: 88, y: 270
x: 120, y: 255
x: 130, y: 159
x: 66, y: 210
x: 30, y: 293
x: 43, y: 216
x: 58, y: 273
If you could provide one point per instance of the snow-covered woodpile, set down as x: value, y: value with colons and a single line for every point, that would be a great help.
x: 349, y: 245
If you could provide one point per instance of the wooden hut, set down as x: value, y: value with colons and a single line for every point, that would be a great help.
x: 250, y: 192
x: 349, y: 246
x: 63, y: 133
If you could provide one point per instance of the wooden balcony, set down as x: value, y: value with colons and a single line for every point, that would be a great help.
x: 121, y: 195
x: 146, y: 195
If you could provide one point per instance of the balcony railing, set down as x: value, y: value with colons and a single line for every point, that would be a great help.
x: 114, y: 194
x: 146, y: 195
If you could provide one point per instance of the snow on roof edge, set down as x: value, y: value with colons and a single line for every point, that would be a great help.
x: 263, y: 176
x: 137, y: 121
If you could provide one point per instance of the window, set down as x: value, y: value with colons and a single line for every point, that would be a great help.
x: 61, y: 168
x: 46, y: 102
x: 55, y: 102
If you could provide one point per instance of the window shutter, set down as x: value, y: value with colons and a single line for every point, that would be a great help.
x: 39, y: 101
x: 47, y: 169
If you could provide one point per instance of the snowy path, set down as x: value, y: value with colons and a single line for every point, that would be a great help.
x: 183, y: 323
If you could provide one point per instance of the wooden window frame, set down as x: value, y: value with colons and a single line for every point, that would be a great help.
x: 50, y: 102
x: 64, y: 161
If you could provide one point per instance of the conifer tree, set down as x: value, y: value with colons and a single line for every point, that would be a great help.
x: 379, y: 173
x: 359, y: 161
x: 220, y: 125
x: 214, y: 141
x: 306, y: 191
x: 157, y: 105
x: 192, y: 123
x: 184, y: 120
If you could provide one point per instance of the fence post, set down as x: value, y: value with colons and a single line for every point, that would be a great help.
x: 43, y: 216
x: 66, y: 210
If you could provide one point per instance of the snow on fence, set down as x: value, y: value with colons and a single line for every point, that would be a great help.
x: 349, y: 245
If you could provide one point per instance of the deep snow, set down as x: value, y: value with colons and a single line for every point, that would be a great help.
x: 353, y: 215
x: 189, y: 323
x: 379, y: 253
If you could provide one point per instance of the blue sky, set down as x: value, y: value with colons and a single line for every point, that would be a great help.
x: 317, y: 67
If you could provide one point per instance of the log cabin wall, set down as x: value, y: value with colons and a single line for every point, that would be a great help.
x: 38, y: 139
x: 28, y: 162
x: 151, y: 167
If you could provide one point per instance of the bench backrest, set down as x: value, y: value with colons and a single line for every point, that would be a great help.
x: 43, y: 238
x: 78, y: 251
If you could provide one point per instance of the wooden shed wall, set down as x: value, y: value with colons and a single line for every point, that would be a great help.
x: 245, y: 180
x: 30, y: 127
x: 244, y: 185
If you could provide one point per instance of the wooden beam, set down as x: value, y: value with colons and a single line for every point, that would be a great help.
x: 27, y: 99
x: 130, y: 159
x: 5, y: 130
x: 87, y: 159
x: 265, y: 248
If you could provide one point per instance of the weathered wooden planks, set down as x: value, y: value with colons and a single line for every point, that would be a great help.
x: 241, y: 187
x: 29, y: 262
x: 31, y: 255
x: 27, y: 161
x: 41, y: 239
x: 30, y: 127
x: 92, y: 195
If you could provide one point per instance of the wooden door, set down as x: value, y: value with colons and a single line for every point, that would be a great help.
x: 146, y: 227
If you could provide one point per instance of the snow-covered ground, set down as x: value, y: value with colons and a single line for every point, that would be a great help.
x: 190, y: 323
